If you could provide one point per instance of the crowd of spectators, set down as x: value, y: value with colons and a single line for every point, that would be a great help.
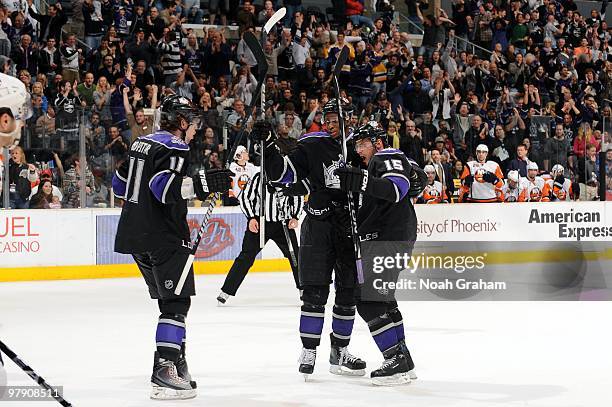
x: 528, y: 79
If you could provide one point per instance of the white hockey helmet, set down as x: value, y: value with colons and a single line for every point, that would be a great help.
x: 532, y: 166
x: 513, y: 176
x: 557, y: 169
x: 14, y: 109
x: 482, y: 147
x: 429, y: 169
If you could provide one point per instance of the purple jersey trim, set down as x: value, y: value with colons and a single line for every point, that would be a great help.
x: 167, y: 140
x: 389, y: 151
x: 118, y: 186
x: 159, y: 183
x: 316, y: 134
x: 401, y: 183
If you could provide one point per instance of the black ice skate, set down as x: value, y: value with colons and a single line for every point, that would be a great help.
x: 222, y: 298
x: 394, y: 370
x: 406, y: 352
x: 345, y: 364
x: 167, y: 384
x: 183, y: 371
x: 307, y: 362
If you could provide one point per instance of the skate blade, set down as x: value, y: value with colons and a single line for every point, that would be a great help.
x: 412, y: 374
x: 307, y: 377
x: 165, y: 393
x: 343, y: 371
x: 395, y: 380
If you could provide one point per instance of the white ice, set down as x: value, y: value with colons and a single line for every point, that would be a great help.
x: 96, y: 338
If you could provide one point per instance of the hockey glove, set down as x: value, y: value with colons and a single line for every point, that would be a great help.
x: 352, y: 179
x: 490, y: 177
x: 205, y: 182
x: 418, y: 180
x: 559, y: 181
x: 468, y: 181
x: 262, y: 131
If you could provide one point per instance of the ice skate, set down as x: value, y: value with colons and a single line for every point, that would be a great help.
x: 307, y: 362
x: 345, y: 364
x: 406, y: 352
x: 222, y: 298
x: 183, y: 371
x: 393, y: 372
x: 167, y: 384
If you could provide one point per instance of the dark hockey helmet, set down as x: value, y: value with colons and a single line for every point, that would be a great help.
x: 332, y: 107
x: 175, y: 107
x: 371, y: 131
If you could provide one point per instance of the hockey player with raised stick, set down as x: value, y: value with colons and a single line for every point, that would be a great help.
x: 326, y: 246
x: 386, y: 214
x: 153, y: 229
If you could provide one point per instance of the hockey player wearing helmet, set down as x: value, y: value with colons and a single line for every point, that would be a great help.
x: 326, y: 246
x: 14, y: 110
x: 558, y: 188
x: 481, y: 179
x: 386, y: 214
x: 513, y: 190
x: 432, y: 194
x: 533, y: 183
x: 153, y: 229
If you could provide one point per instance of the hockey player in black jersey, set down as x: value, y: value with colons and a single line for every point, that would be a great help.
x: 325, y: 239
x: 386, y: 214
x: 153, y: 229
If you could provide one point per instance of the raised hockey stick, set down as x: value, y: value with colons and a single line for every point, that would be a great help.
x: 30, y: 372
x: 342, y: 57
x: 261, y: 64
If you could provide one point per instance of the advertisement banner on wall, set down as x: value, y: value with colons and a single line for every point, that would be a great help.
x: 30, y: 238
x: 545, y: 222
x: 222, y: 240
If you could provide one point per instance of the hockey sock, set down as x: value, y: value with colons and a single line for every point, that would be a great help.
x: 396, y: 316
x: 384, y: 333
x: 311, y: 325
x: 342, y: 325
x: 169, y: 336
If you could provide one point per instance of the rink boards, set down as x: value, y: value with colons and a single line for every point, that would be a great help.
x: 78, y: 243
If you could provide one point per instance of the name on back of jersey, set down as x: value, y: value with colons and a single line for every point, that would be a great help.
x: 141, y: 147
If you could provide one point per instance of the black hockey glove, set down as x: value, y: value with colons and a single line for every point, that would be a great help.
x: 262, y: 131
x: 209, y: 181
x: 468, y: 181
x: 418, y: 180
x: 352, y: 179
x: 559, y: 181
x: 489, y: 177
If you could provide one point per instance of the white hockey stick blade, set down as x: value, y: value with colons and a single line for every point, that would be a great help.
x: 276, y: 17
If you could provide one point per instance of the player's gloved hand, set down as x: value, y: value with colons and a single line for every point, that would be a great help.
x: 352, y: 179
x: 418, y: 180
x: 559, y: 181
x: 262, y: 131
x: 489, y: 177
x: 205, y: 182
x: 468, y: 181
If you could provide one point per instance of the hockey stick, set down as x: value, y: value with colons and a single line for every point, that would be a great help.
x: 261, y: 64
x: 30, y: 372
x: 342, y: 57
x: 292, y: 258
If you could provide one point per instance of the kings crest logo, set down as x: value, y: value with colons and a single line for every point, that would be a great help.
x: 217, y: 237
x: 332, y: 180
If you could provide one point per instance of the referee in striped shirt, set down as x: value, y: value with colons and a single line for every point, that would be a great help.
x: 280, y: 208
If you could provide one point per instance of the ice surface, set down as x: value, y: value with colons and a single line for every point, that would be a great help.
x: 96, y: 338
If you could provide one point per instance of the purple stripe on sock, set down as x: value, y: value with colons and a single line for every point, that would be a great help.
x: 170, y: 333
x: 311, y: 325
x: 342, y: 326
x: 386, y: 339
x: 399, y: 330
